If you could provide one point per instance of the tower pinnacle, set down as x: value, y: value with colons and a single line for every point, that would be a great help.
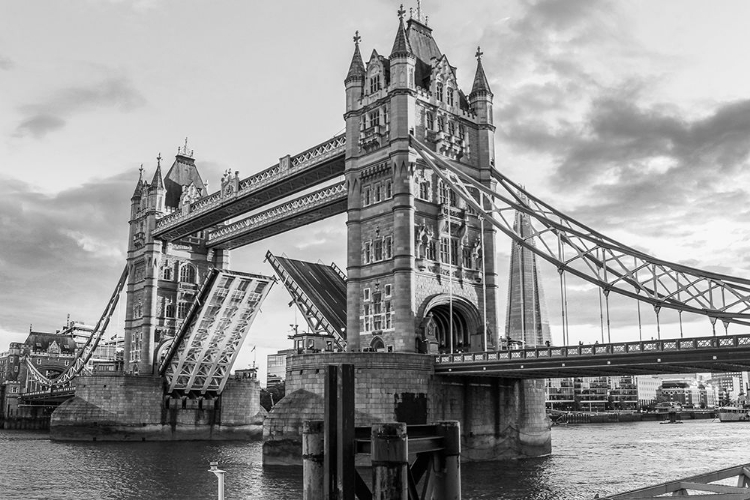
x: 481, y: 85
x: 357, y: 66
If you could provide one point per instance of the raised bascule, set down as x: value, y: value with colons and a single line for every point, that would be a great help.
x: 417, y: 311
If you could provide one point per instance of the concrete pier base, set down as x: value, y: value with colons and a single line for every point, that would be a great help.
x: 131, y: 408
x: 500, y: 418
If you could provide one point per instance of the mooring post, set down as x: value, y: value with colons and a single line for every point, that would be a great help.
x: 390, y: 461
x: 338, y: 463
x: 312, y: 460
x: 450, y: 431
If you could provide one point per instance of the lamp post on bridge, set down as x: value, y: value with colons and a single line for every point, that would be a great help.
x: 220, y: 475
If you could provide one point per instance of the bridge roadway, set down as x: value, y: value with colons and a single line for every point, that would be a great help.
x: 727, y: 353
x: 291, y: 175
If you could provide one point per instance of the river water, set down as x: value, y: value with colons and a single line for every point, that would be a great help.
x: 585, y: 460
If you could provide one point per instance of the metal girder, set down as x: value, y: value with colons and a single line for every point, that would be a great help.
x: 210, y: 338
x: 702, y: 485
x: 318, y: 164
x: 577, y: 249
x: 84, y: 354
x: 314, y: 317
x: 301, y: 211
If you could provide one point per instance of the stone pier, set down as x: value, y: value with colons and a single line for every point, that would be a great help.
x: 133, y: 408
x: 500, y: 418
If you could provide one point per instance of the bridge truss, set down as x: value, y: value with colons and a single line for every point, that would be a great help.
x: 326, y: 314
x: 577, y: 249
x: 84, y: 354
x: 203, y: 351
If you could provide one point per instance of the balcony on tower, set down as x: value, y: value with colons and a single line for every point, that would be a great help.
x: 448, y: 145
x: 372, y: 138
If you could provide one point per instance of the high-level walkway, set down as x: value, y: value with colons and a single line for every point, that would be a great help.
x: 291, y: 175
x: 728, y: 353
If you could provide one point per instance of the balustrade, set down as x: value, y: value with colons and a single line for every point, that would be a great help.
x: 625, y: 349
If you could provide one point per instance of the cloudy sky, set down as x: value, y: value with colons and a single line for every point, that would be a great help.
x: 632, y: 117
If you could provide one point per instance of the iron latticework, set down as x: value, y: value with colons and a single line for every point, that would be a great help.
x: 577, y: 249
x: 84, y: 354
x: 204, y: 349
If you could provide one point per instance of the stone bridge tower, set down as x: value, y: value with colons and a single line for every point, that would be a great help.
x: 415, y: 251
x: 163, y: 277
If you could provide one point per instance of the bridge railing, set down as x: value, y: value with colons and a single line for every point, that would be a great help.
x: 620, y: 348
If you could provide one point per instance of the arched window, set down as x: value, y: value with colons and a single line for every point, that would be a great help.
x: 167, y: 273
x: 187, y: 274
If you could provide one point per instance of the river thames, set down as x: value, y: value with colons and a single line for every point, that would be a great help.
x: 586, y: 460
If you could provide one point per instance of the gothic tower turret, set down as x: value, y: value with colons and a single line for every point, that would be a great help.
x: 164, y: 277
x: 414, y: 249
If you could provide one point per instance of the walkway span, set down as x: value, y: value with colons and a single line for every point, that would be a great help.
x: 728, y: 353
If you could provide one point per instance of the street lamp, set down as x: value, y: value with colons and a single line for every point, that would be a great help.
x: 220, y: 475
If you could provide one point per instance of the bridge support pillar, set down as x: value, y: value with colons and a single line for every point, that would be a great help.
x: 450, y: 477
x: 390, y: 462
x: 312, y: 459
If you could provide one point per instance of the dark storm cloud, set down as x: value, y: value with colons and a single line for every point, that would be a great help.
x: 51, y: 115
x: 65, y: 251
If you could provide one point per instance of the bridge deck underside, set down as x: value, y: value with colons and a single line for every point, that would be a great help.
x: 705, y: 354
x: 206, y: 346
x: 253, y: 198
x: 323, y: 286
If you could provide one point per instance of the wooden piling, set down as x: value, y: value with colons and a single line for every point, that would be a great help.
x: 312, y: 459
x: 390, y: 461
x: 449, y: 485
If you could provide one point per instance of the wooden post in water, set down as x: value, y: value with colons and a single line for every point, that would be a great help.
x: 390, y: 461
x: 338, y: 462
x: 312, y: 459
x: 450, y: 484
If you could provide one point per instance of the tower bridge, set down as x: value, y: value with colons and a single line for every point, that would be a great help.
x: 426, y: 203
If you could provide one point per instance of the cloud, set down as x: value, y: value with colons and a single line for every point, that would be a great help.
x: 39, y: 125
x: 6, y: 63
x: 53, y: 114
x: 63, y: 252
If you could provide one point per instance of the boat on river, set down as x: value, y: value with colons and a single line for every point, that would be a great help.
x: 734, y: 414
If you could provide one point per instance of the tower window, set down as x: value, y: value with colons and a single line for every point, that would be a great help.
x: 430, y: 121
x: 375, y: 118
x: 366, y: 196
x: 167, y: 273
x: 424, y: 190
x: 388, y: 248
x: 378, y: 192
x: 367, y: 253
x: 451, y: 128
x: 366, y: 294
x: 182, y: 309
x: 388, y: 190
x: 449, y: 96
x: 374, y: 84
x: 187, y: 274
x: 441, y: 123
x: 461, y: 132
x: 378, y: 250
x: 439, y: 91
x: 388, y: 288
x: 169, y: 310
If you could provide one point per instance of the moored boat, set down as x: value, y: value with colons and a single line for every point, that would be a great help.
x: 734, y: 414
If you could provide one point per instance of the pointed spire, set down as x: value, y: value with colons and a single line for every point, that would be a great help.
x: 480, y: 79
x: 357, y: 67
x: 139, y: 184
x: 157, y: 182
x: 401, y: 45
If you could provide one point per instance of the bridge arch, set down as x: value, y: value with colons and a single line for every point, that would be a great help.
x: 436, y: 323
